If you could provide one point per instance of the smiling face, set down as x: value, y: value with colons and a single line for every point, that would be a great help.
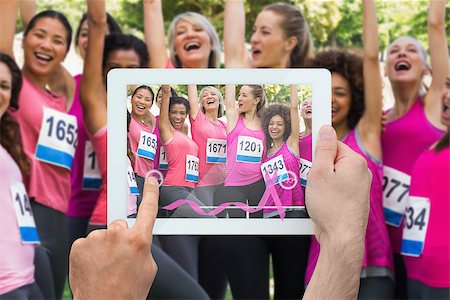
x: 342, y: 99
x: 122, y: 58
x: 5, y: 88
x: 210, y: 101
x: 306, y: 112
x: 192, y: 44
x: 246, y: 100
x: 141, y: 102
x: 277, y: 127
x: 405, y: 61
x: 270, y: 48
x: 82, y: 39
x: 177, y: 115
x: 445, y: 116
x: 45, y: 46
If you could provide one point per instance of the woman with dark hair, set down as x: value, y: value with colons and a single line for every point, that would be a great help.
x: 426, y: 234
x: 18, y: 234
x: 49, y: 133
x: 356, y: 117
x: 413, y: 123
x: 280, y: 38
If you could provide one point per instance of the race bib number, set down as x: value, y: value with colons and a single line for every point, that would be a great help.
x: 275, y: 164
x: 395, y: 195
x: 147, y: 145
x: 305, y: 166
x: 57, y: 139
x: 92, y: 179
x: 192, y: 168
x: 417, y: 216
x: 132, y: 184
x: 163, y: 164
x: 216, y: 151
x: 27, y: 227
x: 249, y: 149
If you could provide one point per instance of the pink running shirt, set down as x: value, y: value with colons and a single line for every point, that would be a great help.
x: 377, y: 248
x: 430, y: 178
x: 402, y: 141
x: 203, y: 129
x: 48, y: 184
x: 17, y: 259
x: 177, y: 150
x: 100, y: 142
x: 142, y: 165
x: 242, y: 173
x: 305, y: 158
x: 82, y: 201
x: 288, y: 197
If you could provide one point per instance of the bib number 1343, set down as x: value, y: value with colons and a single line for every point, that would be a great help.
x: 58, y: 138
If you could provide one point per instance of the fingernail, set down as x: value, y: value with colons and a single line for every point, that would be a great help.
x: 326, y: 132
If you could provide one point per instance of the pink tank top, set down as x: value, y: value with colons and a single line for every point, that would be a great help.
x: 132, y: 199
x: 204, y: 130
x: 142, y: 165
x: 82, y: 201
x: 288, y: 197
x: 305, y: 157
x: 48, y: 184
x: 100, y: 142
x: 17, y: 259
x: 377, y: 248
x: 239, y: 139
x: 432, y: 267
x: 178, y: 149
x: 403, y: 140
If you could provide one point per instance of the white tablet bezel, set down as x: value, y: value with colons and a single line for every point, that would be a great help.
x: 119, y: 79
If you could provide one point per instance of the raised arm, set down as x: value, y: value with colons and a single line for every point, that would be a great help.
x: 370, y: 125
x: 154, y: 34
x: 438, y: 47
x: 193, y: 100
x: 8, y: 15
x: 231, y: 111
x: 234, y: 35
x: 164, y: 126
x: 92, y: 89
x: 294, y: 138
x: 27, y: 10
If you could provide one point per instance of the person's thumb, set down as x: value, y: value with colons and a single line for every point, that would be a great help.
x: 326, y: 150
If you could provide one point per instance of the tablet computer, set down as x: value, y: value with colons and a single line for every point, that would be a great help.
x: 311, y: 83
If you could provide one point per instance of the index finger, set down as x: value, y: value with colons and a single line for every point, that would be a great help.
x: 148, y: 208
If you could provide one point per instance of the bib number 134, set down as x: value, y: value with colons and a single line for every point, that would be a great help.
x: 415, y: 228
x: 24, y: 214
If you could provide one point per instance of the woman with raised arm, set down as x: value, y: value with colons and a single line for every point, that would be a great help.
x: 426, y: 234
x: 356, y: 117
x: 281, y: 126
x: 306, y: 142
x: 413, y: 123
x: 49, y: 133
x: 280, y: 38
x: 193, y: 41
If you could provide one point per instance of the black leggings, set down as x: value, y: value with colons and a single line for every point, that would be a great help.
x: 289, y: 260
x: 29, y: 291
x: 53, y: 251
x: 401, y: 287
x: 376, y: 288
x: 250, y: 194
x: 419, y: 290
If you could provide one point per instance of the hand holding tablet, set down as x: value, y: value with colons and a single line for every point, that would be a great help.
x: 116, y: 262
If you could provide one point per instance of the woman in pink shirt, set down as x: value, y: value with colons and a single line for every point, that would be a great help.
x: 17, y: 247
x: 306, y: 142
x: 413, y: 123
x: 49, y: 133
x: 426, y: 242
x: 356, y: 117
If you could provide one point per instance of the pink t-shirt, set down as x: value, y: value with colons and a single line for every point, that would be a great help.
x: 177, y: 150
x: 142, y: 165
x: 82, y: 201
x: 48, y: 184
x: 305, y: 158
x: 243, y: 173
x: 16, y: 261
x: 100, y: 142
x: 203, y: 129
x: 288, y: 197
x: 158, y: 149
x: 403, y: 140
x: 132, y: 199
x: 430, y: 178
x: 377, y: 248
